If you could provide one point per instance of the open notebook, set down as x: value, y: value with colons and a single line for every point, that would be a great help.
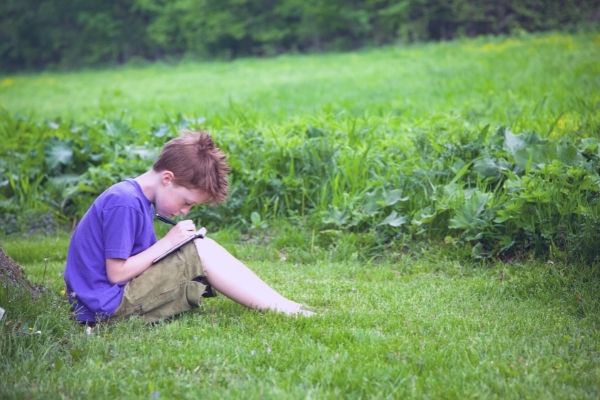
x: 200, y: 233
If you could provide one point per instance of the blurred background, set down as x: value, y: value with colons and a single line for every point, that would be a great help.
x: 67, y: 34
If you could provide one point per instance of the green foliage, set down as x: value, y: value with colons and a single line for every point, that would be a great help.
x: 37, y: 34
x: 495, y: 191
x: 63, y: 164
x: 360, y: 149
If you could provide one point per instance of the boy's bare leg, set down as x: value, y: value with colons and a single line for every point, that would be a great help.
x: 232, y: 278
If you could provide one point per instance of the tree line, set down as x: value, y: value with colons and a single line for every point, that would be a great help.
x: 36, y: 34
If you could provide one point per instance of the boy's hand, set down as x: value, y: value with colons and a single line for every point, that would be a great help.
x: 183, y: 230
x: 120, y: 270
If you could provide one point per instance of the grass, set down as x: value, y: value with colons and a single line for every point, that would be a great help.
x: 428, y: 326
x: 339, y: 139
x: 420, y: 324
x: 517, y: 82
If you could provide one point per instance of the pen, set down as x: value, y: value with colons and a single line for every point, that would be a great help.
x: 166, y: 220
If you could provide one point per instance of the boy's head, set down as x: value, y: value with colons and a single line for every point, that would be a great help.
x: 196, y: 163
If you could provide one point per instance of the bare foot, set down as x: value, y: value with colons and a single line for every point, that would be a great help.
x: 298, y: 309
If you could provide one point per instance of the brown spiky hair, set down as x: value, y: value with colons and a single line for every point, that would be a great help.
x: 196, y: 164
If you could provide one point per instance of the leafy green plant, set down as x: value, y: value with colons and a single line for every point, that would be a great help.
x: 498, y: 193
x: 358, y: 148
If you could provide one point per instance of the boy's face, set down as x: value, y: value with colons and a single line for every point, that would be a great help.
x: 172, y: 199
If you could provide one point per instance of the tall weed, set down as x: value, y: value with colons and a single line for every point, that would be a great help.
x: 488, y: 190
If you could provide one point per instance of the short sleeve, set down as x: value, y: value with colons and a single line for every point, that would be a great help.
x: 119, y: 227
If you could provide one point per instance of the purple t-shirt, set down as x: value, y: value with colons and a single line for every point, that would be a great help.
x: 119, y: 224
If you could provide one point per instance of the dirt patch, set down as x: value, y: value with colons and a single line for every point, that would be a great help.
x: 12, y: 274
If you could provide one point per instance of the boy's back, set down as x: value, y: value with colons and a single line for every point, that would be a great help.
x: 117, y: 225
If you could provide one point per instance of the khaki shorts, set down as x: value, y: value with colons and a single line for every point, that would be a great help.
x: 169, y: 287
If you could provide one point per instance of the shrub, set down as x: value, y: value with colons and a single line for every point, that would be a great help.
x: 494, y: 192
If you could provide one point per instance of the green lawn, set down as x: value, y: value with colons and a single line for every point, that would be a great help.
x: 525, y: 83
x: 426, y: 326
x: 415, y: 322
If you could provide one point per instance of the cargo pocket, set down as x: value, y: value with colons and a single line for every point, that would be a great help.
x: 158, y: 301
x: 193, y: 292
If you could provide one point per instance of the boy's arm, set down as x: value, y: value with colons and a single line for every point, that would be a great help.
x: 122, y: 270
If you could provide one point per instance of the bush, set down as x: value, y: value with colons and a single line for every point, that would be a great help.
x: 493, y: 192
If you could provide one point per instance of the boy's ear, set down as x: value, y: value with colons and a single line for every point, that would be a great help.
x: 166, y: 177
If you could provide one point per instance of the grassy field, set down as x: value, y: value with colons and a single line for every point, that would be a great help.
x: 518, y: 82
x: 453, y: 142
x: 420, y: 321
x: 418, y: 327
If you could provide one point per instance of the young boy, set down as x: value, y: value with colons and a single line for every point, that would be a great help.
x: 109, y: 270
